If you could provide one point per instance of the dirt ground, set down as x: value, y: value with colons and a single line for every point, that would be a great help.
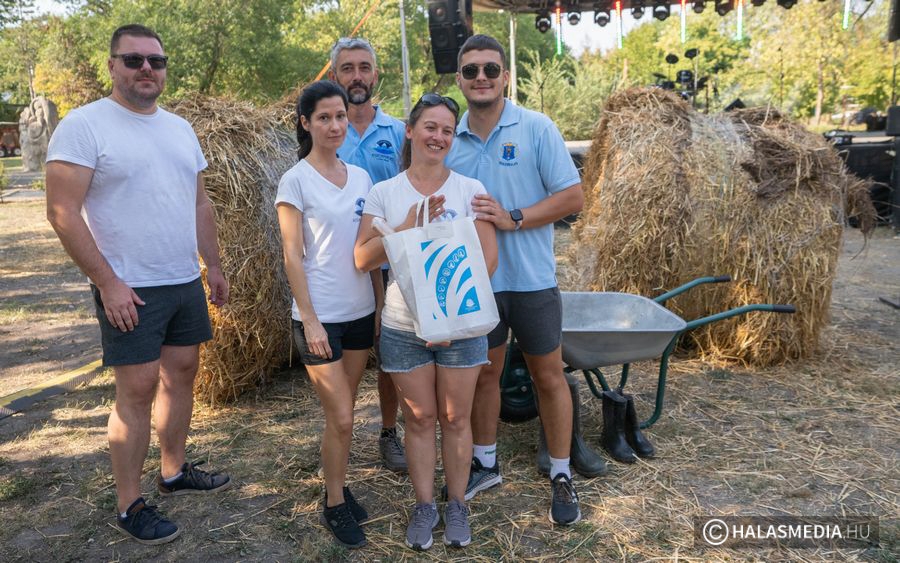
x: 818, y: 437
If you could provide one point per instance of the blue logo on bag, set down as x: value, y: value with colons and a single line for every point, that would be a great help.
x: 448, y: 273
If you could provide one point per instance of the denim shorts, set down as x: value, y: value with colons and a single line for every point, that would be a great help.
x: 174, y: 315
x: 402, y: 352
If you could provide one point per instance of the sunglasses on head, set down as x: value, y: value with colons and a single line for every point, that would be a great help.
x: 491, y: 70
x: 432, y: 99
x: 135, y: 61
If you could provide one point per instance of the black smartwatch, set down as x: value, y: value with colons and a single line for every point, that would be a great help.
x: 516, y: 215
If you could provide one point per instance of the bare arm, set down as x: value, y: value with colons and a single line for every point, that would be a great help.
x: 67, y: 186
x: 290, y: 220
x: 549, y: 210
x: 208, y: 246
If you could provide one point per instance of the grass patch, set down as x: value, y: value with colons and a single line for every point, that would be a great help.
x: 16, y: 487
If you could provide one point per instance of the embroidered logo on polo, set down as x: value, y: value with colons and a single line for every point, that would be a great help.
x: 454, y: 288
x: 383, y: 146
x: 509, y: 154
x: 360, y: 204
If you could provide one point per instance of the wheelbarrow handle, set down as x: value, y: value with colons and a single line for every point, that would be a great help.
x: 739, y: 311
x: 784, y: 309
x: 681, y: 289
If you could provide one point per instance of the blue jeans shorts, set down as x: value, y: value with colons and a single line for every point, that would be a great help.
x: 402, y: 352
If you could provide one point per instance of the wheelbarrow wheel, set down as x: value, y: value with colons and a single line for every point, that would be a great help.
x: 516, y: 389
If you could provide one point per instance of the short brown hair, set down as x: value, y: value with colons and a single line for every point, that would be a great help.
x: 135, y: 29
x: 481, y: 43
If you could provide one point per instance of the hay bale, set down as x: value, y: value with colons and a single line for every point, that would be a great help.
x: 248, y: 150
x: 672, y: 195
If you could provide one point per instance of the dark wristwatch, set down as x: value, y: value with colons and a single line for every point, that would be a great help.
x: 517, y: 217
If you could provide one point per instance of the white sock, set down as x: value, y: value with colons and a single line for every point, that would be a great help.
x: 172, y: 479
x: 558, y: 466
x: 487, y: 455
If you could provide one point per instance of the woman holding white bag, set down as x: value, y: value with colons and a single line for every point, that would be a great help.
x: 436, y: 381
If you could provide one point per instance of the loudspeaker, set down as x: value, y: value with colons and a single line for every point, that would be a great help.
x: 892, y: 127
x: 449, y: 24
x: 894, y: 21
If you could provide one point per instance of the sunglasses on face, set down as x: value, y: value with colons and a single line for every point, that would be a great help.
x: 135, y: 61
x: 432, y: 99
x: 491, y: 70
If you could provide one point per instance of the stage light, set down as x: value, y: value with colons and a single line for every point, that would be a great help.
x: 787, y: 4
x: 637, y: 9
x: 660, y: 10
x: 601, y: 17
x: 574, y: 18
x: 699, y: 6
x: 542, y: 21
x: 723, y: 7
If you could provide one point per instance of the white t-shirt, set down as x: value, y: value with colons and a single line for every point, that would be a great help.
x: 331, y: 214
x: 141, y: 205
x: 391, y: 201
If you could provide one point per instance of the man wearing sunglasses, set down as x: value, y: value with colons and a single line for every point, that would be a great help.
x: 520, y: 157
x: 374, y: 140
x: 135, y: 171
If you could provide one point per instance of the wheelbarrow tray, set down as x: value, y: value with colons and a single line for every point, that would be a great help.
x: 607, y: 328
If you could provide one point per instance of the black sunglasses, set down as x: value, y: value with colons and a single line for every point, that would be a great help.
x: 491, y: 70
x: 135, y: 61
x: 432, y: 99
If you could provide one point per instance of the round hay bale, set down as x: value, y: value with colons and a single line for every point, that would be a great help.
x: 673, y: 195
x: 248, y: 150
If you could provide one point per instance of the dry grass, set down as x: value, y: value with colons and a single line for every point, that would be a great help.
x: 817, y: 437
x: 672, y: 195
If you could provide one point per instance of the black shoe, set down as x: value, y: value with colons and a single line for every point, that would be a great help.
x: 359, y: 513
x: 481, y: 478
x: 343, y: 525
x: 194, y: 481
x: 145, y: 525
x: 564, y: 508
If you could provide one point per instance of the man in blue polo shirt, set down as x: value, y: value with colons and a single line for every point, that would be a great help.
x: 374, y: 141
x: 520, y: 157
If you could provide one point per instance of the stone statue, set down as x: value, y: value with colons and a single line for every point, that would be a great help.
x: 36, y: 124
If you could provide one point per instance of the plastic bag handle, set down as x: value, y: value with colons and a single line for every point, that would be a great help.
x: 419, y: 208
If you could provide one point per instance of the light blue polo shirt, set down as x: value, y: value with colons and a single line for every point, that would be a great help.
x: 524, y: 160
x: 378, y: 150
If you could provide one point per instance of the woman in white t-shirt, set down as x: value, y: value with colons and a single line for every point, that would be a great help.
x: 436, y: 381
x: 319, y: 203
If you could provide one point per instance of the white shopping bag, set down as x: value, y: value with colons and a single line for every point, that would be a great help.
x: 443, y: 278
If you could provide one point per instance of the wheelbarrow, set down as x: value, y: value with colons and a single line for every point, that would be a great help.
x: 605, y: 329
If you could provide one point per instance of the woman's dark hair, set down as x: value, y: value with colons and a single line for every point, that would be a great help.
x: 426, y: 101
x: 306, y: 105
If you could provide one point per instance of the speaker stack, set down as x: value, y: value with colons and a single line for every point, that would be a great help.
x: 449, y: 24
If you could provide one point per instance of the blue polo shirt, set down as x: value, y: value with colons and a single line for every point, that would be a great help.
x: 378, y: 150
x: 523, y: 161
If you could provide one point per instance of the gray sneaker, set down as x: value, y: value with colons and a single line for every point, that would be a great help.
x: 457, y: 532
x: 421, y: 524
x: 392, y: 453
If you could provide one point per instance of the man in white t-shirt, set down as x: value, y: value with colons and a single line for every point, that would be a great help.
x: 126, y: 197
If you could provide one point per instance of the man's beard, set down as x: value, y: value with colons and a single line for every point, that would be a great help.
x: 356, y: 98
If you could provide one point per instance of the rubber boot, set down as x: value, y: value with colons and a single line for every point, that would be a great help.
x: 584, y: 460
x: 613, y: 437
x: 638, y: 442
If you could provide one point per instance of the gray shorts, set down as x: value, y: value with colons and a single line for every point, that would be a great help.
x: 173, y: 315
x: 402, y: 352
x: 535, y: 318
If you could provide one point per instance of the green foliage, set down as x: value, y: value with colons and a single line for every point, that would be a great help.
x: 262, y: 50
